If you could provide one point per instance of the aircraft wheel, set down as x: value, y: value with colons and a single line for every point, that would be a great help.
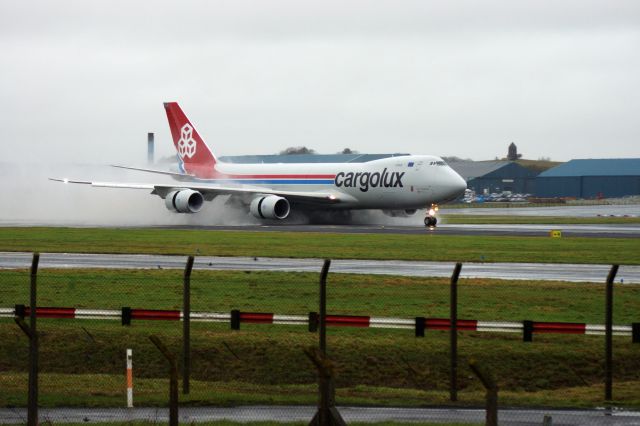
x: 430, y: 221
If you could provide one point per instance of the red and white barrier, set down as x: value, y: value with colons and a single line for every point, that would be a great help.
x: 360, y: 321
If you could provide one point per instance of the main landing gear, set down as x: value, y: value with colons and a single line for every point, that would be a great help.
x: 430, y: 221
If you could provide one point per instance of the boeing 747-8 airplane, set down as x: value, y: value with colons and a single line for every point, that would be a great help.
x: 397, y: 185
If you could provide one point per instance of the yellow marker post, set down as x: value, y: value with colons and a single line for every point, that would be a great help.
x: 555, y: 233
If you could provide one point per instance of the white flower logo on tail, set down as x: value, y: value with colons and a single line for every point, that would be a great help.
x: 186, y: 144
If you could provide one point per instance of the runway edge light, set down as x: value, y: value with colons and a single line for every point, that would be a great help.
x: 129, y: 378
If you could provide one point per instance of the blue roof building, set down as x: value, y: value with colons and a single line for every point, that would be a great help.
x: 591, y: 178
x: 485, y: 177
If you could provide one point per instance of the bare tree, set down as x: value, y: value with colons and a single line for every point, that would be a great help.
x: 295, y: 150
x: 348, y: 151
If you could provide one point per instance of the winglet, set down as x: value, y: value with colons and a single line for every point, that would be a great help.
x: 194, y: 154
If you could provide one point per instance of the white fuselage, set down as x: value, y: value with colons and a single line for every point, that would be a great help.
x: 403, y: 182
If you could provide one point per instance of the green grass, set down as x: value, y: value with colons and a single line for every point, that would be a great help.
x: 428, y: 246
x: 264, y: 364
x: 296, y: 293
x: 267, y: 423
x: 82, y: 361
x: 108, y: 391
x: 538, y: 165
x: 535, y: 220
x: 263, y: 423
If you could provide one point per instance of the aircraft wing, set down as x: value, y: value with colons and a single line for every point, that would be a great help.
x: 210, y: 191
x: 159, y: 172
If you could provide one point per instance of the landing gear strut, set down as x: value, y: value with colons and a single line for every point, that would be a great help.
x: 430, y: 221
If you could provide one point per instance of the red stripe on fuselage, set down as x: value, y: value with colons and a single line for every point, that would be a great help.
x: 212, y: 173
x: 277, y: 176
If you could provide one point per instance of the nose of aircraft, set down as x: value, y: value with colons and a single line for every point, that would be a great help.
x: 456, y: 184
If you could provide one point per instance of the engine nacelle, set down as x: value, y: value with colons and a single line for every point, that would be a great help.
x: 184, y: 201
x: 270, y: 207
x: 400, y: 213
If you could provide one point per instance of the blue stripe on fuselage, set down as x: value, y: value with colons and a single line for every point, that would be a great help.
x: 273, y: 181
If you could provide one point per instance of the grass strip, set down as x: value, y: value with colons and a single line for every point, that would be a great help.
x: 257, y: 367
x: 428, y: 246
x: 231, y: 423
x: 108, y: 391
x: 264, y: 423
x: 263, y: 357
x: 481, y: 219
x: 296, y: 293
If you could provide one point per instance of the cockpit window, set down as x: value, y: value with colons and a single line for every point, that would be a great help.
x: 437, y: 163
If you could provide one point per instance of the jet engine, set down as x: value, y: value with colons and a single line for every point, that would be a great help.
x: 184, y: 201
x: 400, y: 213
x: 270, y: 207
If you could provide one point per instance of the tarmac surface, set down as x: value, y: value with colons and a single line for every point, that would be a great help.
x: 632, y: 210
x: 628, y: 274
x: 376, y: 223
x: 510, y: 417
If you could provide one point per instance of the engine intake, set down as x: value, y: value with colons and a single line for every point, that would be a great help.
x: 184, y: 201
x: 270, y: 207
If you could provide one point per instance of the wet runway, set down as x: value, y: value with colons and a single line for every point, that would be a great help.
x: 372, y: 222
x: 525, y: 417
x: 627, y: 274
x: 632, y: 210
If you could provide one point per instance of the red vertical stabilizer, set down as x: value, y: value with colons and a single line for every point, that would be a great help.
x: 193, y: 152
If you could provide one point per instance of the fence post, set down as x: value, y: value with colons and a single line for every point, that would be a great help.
x: 186, y: 326
x: 527, y: 331
x: 235, y: 319
x: 173, y: 381
x: 313, y: 322
x: 492, y: 393
x: 453, y: 333
x: 32, y: 413
x: 126, y: 315
x: 322, y: 316
x: 635, y: 332
x: 608, y: 349
x: 327, y: 413
x: 420, y: 326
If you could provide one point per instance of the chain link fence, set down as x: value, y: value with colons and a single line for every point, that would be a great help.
x: 251, y: 351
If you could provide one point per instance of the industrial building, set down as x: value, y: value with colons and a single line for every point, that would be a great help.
x: 486, y: 177
x: 591, y: 178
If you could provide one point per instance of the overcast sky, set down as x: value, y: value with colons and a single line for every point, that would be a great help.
x: 84, y: 81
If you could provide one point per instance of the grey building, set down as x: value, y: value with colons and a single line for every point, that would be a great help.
x: 591, y: 178
x: 485, y: 177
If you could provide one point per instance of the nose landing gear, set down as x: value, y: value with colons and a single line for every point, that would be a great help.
x: 430, y: 221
